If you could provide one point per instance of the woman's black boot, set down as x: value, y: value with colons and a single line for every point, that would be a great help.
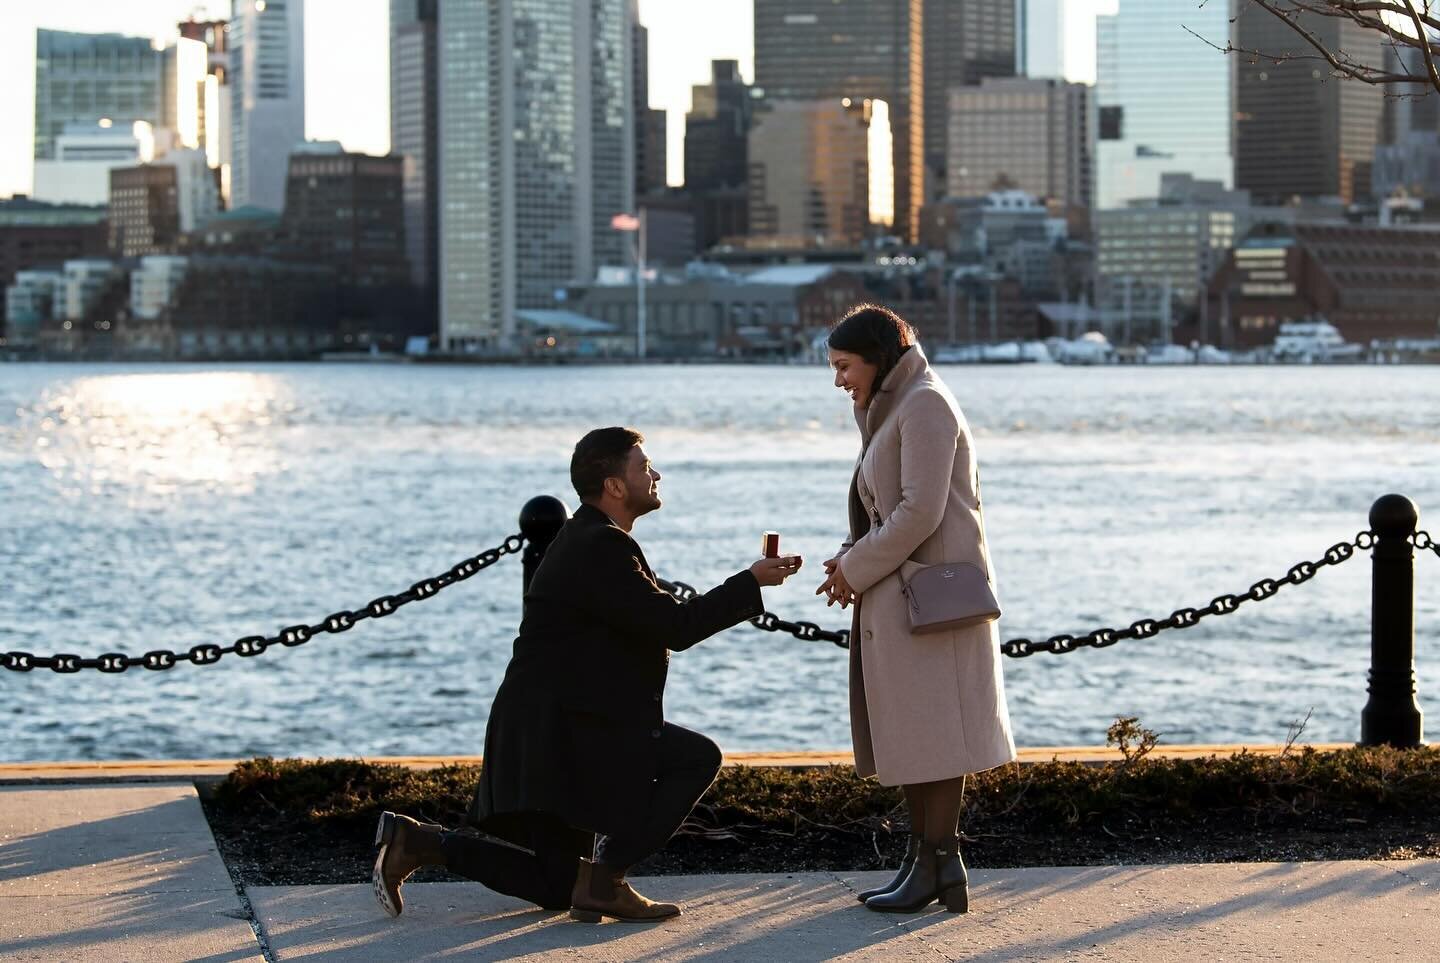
x: 938, y: 873
x: 915, y: 843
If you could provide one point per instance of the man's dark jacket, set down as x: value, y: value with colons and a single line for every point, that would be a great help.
x: 575, y: 726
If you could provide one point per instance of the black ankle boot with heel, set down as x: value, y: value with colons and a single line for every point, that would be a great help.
x: 938, y: 874
x: 905, y: 864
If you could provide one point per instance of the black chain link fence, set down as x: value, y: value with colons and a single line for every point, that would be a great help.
x: 1100, y: 638
x: 342, y: 621
x: 253, y: 645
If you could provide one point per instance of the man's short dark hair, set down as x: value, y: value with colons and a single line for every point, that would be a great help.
x: 600, y: 455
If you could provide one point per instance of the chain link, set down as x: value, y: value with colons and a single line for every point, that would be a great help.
x: 769, y: 621
x: 1100, y: 638
x: 253, y: 645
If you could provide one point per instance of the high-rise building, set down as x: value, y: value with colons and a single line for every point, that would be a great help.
x: 717, y: 129
x: 267, y: 91
x: 144, y: 210
x: 810, y: 172
x: 1405, y: 116
x: 965, y: 42
x: 861, y: 49
x: 537, y: 156
x: 1166, y: 98
x: 83, y: 78
x: 1299, y: 131
x: 1037, y: 135
x: 347, y: 210
x: 650, y: 153
x: 414, y: 136
x: 1040, y: 38
x: 197, y: 77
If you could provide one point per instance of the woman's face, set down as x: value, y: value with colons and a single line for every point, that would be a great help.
x: 854, y: 375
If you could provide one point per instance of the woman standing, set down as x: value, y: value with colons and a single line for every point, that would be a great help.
x: 925, y: 709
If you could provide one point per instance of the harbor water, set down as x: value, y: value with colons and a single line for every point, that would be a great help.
x: 159, y: 507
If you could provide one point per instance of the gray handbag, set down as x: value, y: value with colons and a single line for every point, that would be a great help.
x: 953, y: 595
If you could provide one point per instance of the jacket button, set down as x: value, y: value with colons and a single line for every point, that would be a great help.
x: 656, y: 697
x: 654, y: 733
x: 869, y: 635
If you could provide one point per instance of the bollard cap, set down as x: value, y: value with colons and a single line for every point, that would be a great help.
x: 1394, y: 516
x: 541, y: 518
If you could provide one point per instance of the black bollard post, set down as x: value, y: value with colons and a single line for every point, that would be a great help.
x: 540, y: 522
x: 1392, y: 716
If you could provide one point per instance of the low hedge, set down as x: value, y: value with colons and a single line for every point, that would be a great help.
x: 306, y: 821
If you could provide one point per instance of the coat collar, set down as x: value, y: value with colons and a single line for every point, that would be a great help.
x: 909, y: 369
x: 589, y: 513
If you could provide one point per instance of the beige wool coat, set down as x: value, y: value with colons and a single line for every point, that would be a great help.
x: 932, y: 706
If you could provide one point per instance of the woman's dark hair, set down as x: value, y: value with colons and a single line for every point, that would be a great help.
x: 875, y: 333
x: 600, y: 455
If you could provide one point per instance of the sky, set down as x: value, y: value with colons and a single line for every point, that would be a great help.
x: 347, y: 86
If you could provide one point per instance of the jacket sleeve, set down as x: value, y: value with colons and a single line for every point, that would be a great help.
x: 629, y: 600
x: 929, y: 436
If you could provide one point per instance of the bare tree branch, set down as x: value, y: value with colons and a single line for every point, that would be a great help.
x: 1420, y: 30
x: 1403, y: 16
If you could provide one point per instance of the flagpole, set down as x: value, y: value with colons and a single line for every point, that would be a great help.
x: 640, y: 292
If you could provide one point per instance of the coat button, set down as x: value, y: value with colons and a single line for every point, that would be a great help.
x: 656, y: 697
x: 869, y: 635
x: 654, y: 733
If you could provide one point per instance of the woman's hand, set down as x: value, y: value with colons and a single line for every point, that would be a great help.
x: 835, y: 588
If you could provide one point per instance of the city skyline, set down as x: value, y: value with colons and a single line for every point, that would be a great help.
x: 347, y: 97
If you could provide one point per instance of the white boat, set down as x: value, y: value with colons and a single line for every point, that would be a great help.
x: 1007, y: 352
x: 957, y: 354
x: 1169, y: 354
x: 1313, y: 342
x: 1090, y: 348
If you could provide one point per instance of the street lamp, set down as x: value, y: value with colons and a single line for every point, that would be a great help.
x: 629, y: 222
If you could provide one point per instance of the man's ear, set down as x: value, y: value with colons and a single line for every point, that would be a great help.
x: 614, y: 487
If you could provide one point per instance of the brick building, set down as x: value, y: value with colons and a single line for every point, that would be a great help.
x: 1370, y: 282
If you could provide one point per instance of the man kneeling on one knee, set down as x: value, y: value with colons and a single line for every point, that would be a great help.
x: 576, y: 744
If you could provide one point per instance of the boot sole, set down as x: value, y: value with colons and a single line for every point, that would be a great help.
x: 594, y: 916
x: 384, y: 833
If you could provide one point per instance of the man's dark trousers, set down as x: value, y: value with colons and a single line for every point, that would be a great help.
x: 546, y: 874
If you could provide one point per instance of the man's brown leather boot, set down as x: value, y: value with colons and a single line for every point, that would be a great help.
x: 405, y: 845
x: 602, y: 891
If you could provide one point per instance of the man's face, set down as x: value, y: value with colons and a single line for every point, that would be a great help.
x: 642, y: 483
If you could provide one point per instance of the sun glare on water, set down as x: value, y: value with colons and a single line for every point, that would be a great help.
x: 158, y: 433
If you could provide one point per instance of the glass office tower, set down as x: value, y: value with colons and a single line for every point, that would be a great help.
x: 536, y: 155
x: 82, y: 78
x: 1166, y: 97
x: 811, y: 50
x: 267, y: 90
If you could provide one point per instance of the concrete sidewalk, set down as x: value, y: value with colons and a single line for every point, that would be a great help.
x: 1245, y: 911
x: 115, y: 873
x: 130, y: 872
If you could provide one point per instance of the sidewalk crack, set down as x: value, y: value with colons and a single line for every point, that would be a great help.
x: 254, y: 922
x: 1395, y: 867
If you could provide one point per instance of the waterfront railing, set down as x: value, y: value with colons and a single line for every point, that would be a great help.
x: 1391, y: 716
